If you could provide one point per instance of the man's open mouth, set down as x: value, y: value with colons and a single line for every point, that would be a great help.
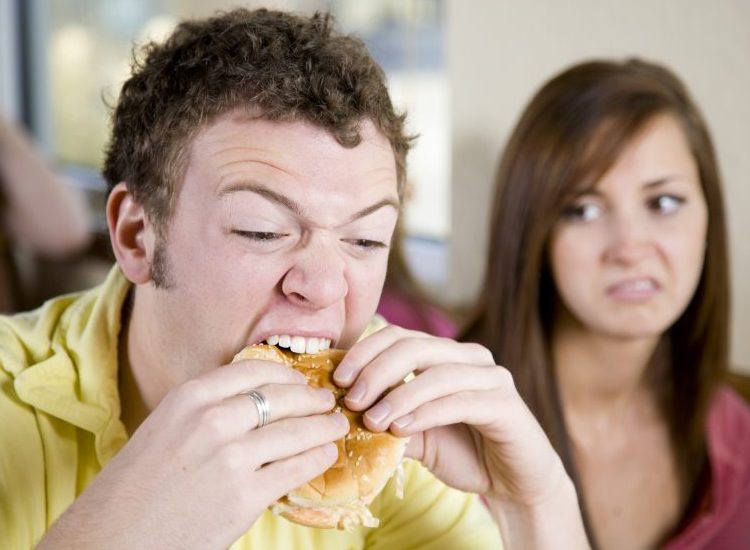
x: 299, y: 344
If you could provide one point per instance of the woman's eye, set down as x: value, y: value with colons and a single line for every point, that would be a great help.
x: 261, y: 236
x: 582, y: 212
x: 666, y: 204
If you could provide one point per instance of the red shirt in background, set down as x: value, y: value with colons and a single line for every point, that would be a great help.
x: 403, y: 311
x: 723, y: 522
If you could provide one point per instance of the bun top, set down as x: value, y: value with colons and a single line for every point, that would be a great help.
x: 366, y: 460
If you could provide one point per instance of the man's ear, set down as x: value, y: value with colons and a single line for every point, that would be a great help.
x: 133, y: 236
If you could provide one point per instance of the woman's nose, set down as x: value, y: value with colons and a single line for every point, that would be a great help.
x: 317, y: 279
x: 629, y: 240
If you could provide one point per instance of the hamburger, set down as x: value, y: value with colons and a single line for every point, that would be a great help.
x: 339, y: 497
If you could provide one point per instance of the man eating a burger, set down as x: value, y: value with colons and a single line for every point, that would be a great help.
x: 255, y: 172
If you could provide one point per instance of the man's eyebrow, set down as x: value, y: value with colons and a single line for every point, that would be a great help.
x: 377, y: 206
x: 289, y: 204
x: 264, y: 192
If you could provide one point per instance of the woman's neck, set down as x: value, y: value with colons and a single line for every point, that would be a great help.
x: 601, y: 378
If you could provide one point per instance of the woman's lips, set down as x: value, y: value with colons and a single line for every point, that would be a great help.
x: 639, y: 289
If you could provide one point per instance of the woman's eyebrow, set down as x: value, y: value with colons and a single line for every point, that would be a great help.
x: 663, y: 180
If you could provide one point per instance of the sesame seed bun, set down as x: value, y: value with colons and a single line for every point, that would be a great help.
x: 339, y: 497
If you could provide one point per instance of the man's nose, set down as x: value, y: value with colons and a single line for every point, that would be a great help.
x: 630, y: 239
x: 318, y: 277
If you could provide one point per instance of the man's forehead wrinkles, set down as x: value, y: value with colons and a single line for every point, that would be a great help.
x: 381, y: 172
x: 239, y: 162
x: 282, y: 159
x: 231, y: 147
x: 374, y: 173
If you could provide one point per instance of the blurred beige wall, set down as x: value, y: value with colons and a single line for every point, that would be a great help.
x: 501, y: 51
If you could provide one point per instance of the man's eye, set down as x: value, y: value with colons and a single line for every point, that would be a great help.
x: 582, y: 212
x: 262, y: 236
x: 666, y: 204
x: 366, y: 244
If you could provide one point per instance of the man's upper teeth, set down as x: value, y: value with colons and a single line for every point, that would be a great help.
x: 299, y: 344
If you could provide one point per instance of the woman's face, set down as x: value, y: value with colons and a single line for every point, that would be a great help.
x: 627, y: 254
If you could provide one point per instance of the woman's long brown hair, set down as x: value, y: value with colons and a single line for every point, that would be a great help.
x: 570, y: 134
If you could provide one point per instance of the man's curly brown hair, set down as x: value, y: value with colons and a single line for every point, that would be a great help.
x: 283, y: 66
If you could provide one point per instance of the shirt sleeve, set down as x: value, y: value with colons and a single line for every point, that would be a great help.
x: 431, y: 516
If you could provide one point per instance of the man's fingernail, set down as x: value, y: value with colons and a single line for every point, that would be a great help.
x: 331, y: 450
x: 340, y: 420
x: 404, y: 421
x: 357, y: 393
x: 324, y: 393
x: 378, y: 413
x: 342, y: 375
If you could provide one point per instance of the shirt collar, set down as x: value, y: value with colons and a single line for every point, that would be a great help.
x: 77, y: 382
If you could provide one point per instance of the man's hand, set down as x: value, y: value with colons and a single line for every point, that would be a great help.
x: 468, y: 425
x: 199, y: 471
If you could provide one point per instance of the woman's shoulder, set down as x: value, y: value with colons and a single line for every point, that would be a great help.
x: 725, y: 521
x: 728, y: 426
x: 727, y: 405
x: 729, y: 411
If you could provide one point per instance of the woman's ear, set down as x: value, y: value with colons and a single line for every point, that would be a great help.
x: 131, y: 233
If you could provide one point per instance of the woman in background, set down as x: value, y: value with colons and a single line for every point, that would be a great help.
x: 607, y: 296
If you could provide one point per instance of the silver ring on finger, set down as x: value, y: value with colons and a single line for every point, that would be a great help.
x: 261, y: 405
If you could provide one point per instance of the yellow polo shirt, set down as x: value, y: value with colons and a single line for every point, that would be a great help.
x: 60, y: 424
